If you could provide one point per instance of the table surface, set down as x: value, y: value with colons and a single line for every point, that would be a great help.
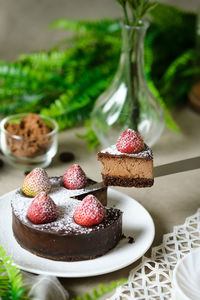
x: 169, y: 201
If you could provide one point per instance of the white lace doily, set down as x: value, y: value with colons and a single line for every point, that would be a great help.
x: 152, y: 278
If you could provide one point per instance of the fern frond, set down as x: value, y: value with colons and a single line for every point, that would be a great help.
x: 165, y: 16
x: 101, y: 291
x: 180, y: 63
x: 11, y: 285
x: 43, y: 60
x: 178, y: 75
x: 106, y: 26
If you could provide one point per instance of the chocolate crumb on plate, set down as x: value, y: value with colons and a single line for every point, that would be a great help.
x: 1, y: 163
x: 66, y: 156
x: 131, y: 240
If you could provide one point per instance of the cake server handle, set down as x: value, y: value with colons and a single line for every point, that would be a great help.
x: 177, y: 167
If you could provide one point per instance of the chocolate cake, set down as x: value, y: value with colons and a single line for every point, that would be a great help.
x: 63, y: 239
x: 127, y: 169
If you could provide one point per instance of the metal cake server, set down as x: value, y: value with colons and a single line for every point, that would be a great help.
x: 177, y: 167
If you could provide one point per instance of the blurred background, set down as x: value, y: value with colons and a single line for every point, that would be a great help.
x: 24, y: 23
x: 60, y: 71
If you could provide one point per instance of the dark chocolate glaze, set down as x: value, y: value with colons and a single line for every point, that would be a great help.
x: 67, y: 242
x: 70, y: 246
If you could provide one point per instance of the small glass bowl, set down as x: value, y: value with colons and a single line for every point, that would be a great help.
x: 27, y: 153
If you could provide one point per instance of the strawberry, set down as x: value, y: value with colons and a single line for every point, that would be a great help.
x: 130, y: 142
x: 35, y: 182
x: 74, y: 178
x: 42, y: 209
x: 89, y: 212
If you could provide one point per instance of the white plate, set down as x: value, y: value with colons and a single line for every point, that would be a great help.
x: 186, y: 277
x: 136, y: 223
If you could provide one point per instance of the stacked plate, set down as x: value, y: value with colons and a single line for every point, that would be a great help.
x: 186, y: 277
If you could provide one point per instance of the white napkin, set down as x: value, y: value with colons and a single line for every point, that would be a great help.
x: 44, y: 287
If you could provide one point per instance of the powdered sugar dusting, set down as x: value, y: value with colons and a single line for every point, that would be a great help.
x: 35, y: 182
x: 74, y: 178
x: 145, y: 153
x: 56, y: 187
x: 89, y: 212
x: 65, y: 206
x: 42, y: 209
x: 130, y: 142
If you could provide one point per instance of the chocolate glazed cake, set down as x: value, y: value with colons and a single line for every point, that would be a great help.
x: 63, y: 239
x: 127, y: 170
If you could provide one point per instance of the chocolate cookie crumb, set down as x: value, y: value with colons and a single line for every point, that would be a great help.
x: 33, y: 139
x: 123, y: 236
x: 1, y: 163
x: 131, y: 240
x: 26, y: 173
x: 66, y: 156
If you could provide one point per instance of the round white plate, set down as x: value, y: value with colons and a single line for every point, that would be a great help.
x: 136, y: 223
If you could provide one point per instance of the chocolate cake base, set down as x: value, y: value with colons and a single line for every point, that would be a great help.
x: 127, y: 182
x: 62, y: 246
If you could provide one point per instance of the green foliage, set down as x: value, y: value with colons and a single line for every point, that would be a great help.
x: 96, y: 27
x: 65, y: 82
x: 11, y: 286
x: 179, y: 74
x: 101, y: 291
x: 171, y: 35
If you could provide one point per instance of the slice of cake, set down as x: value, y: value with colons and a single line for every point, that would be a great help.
x: 129, y: 163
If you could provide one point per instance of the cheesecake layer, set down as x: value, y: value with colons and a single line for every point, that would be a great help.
x: 121, y: 169
x: 126, y: 167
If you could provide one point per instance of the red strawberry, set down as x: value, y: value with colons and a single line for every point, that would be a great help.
x: 42, y: 209
x: 74, y: 178
x: 89, y: 212
x: 35, y: 182
x: 130, y: 142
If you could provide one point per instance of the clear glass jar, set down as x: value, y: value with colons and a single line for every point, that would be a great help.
x: 128, y: 103
x: 27, y: 153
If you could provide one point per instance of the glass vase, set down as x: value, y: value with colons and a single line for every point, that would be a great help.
x: 128, y: 103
